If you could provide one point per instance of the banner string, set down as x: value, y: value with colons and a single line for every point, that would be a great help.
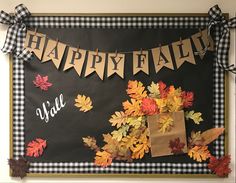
x: 203, y: 51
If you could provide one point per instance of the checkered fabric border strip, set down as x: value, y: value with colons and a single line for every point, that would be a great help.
x: 118, y: 168
x: 116, y: 22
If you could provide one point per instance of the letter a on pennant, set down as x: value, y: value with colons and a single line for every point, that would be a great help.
x: 162, y: 58
x: 54, y: 51
x: 75, y: 58
x: 116, y: 64
x: 95, y: 63
x: 34, y: 42
x: 183, y: 52
x: 140, y: 62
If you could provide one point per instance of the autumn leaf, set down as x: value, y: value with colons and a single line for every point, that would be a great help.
x: 111, y: 145
x: 36, y: 147
x: 176, y: 146
x: 135, y: 121
x: 149, y: 106
x: 142, y: 147
x: 118, y: 150
x: 173, y: 92
x: 129, y: 141
x: 42, y: 82
x: 195, y: 139
x: 163, y: 89
x: 195, y: 116
x: 188, y: 98
x: 120, y: 133
x: 166, y: 122
x: 132, y: 108
x: 162, y: 105
x: 118, y: 119
x: 199, y: 153
x: 154, y: 90
x: 139, y: 150
x: 174, y: 103
x: 124, y: 153
x: 84, y: 103
x: 19, y: 167
x: 136, y: 90
x: 103, y: 159
x: 211, y: 135
x: 91, y: 143
x: 220, y: 166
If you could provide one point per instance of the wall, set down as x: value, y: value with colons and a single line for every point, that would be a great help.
x: 107, y: 6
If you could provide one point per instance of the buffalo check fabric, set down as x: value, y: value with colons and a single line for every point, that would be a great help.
x: 115, y: 168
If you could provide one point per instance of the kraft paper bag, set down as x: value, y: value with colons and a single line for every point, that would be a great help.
x: 160, y: 142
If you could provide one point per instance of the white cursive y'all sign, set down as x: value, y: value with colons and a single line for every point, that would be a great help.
x: 50, y: 110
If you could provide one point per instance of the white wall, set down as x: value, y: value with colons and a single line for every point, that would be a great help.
x: 107, y: 6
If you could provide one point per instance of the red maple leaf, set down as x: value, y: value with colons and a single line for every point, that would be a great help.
x: 176, y: 146
x: 220, y: 166
x: 36, y: 147
x: 42, y: 82
x: 188, y: 98
x: 163, y: 90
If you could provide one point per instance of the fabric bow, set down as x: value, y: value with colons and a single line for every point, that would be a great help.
x: 222, y: 48
x: 16, y: 30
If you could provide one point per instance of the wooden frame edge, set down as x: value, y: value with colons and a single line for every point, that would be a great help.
x: 11, y: 108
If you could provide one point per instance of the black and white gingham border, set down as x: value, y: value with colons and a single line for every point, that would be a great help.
x: 116, y: 168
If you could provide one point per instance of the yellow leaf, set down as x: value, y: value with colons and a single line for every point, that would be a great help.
x: 118, y: 119
x: 166, y: 122
x: 174, y: 103
x: 174, y: 92
x: 154, y: 90
x: 103, y: 159
x: 199, y: 153
x: 211, y: 135
x: 132, y: 108
x: 135, y: 121
x: 120, y: 133
x: 161, y: 103
x: 136, y: 90
x: 195, y: 116
x: 84, y: 103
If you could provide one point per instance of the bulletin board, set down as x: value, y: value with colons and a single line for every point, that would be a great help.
x: 75, y: 113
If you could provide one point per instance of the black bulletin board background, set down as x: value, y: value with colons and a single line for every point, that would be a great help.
x: 64, y: 132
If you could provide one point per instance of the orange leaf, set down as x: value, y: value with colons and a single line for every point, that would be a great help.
x: 36, y: 147
x: 136, y: 90
x: 103, y: 159
x: 211, y: 135
x: 139, y: 150
x: 199, y: 153
x: 132, y: 108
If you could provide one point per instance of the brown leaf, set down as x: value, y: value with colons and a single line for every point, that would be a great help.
x: 19, y: 167
x: 195, y: 139
x: 91, y: 143
x: 211, y: 135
